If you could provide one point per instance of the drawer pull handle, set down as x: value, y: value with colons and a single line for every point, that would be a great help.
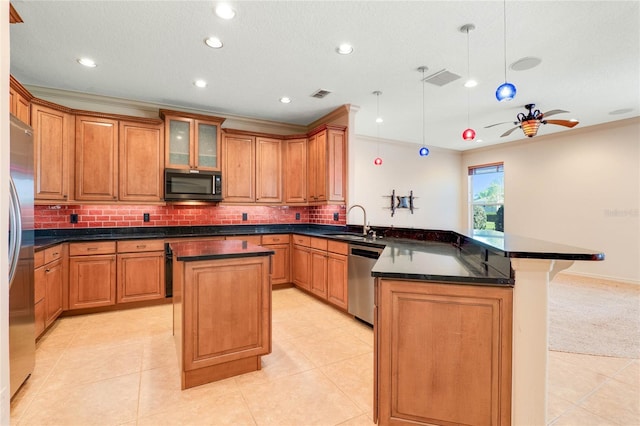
x: 55, y: 254
x: 141, y: 246
x: 92, y: 248
x: 276, y: 239
x: 47, y: 270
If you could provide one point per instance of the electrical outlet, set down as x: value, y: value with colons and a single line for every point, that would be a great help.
x: 336, y: 216
x: 297, y: 216
x: 244, y: 217
x: 74, y: 218
x: 145, y: 217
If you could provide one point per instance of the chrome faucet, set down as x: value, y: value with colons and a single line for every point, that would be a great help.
x: 365, y: 227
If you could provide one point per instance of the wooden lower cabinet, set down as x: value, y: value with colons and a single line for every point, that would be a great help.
x: 49, y: 286
x: 337, y: 274
x: 442, y: 353
x: 280, y: 261
x: 319, y: 273
x: 140, y: 265
x: 92, y: 274
x: 301, y: 263
x: 222, y: 317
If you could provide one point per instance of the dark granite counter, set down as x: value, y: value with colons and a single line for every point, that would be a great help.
x: 212, y: 250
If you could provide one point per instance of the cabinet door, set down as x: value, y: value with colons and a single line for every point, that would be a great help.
x: 54, y: 288
x: 443, y: 353
x: 179, y: 147
x: 238, y: 178
x: 226, y: 311
x: 53, y: 142
x: 280, y: 263
x: 96, y: 159
x: 207, y: 145
x: 319, y: 273
x: 337, y: 280
x: 301, y: 266
x: 295, y: 171
x: 337, y: 165
x: 317, y: 167
x: 140, y: 276
x: 268, y: 170
x: 141, y: 162
x: 40, y: 283
x: 92, y: 281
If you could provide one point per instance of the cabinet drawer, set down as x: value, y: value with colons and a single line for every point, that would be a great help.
x: 275, y: 239
x: 38, y: 258
x: 87, y: 249
x: 52, y: 253
x: 302, y: 240
x: 319, y: 243
x: 338, y: 247
x: 133, y: 246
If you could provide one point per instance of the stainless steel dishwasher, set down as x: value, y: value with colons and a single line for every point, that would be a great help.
x: 361, y: 283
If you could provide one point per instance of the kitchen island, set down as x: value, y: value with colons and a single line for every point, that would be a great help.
x: 221, y: 308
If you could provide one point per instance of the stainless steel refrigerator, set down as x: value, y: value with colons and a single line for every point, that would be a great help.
x: 21, y: 278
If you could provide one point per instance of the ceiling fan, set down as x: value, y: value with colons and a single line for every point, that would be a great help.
x: 530, y: 122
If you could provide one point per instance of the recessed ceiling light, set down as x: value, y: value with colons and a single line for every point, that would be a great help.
x: 200, y: 83
x: 285, y: 100
x: 225, y: 11
x: 379, y: 120
x: 574, y: 120
x: 479, y: 140
x: 345, y: 49
x: 87, y: 62
x: 470, y: 83
x: 525, y: 63
x: 213, y: 42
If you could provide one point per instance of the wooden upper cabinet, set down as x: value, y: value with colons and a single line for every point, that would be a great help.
x: 317, y: 167
x: 96, y: 159
x: 327, y: 165
x: 192, y: 140
x: 336, y: 164
x: 295, y: 171
x: 238, y: 182
x: 268, y: 170
x: 19, y: 101
x: 141, y: 162
x: 54, y: 136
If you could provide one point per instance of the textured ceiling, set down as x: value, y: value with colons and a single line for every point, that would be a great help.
x: 152, y: 51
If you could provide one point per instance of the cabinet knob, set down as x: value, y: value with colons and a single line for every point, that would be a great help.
x: 64, y: 196
x: 47, y: 270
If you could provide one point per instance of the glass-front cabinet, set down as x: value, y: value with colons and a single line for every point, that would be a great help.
x: 192, y: 140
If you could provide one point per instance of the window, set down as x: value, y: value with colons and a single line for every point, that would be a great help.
x: 486, y: 199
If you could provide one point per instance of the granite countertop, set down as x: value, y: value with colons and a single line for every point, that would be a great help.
x: 212, y: 250
x: 436, y: 261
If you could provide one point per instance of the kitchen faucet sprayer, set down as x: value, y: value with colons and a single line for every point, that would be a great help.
x: 365, y: 227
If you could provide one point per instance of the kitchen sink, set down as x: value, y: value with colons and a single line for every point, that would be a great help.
x: 352, y: 237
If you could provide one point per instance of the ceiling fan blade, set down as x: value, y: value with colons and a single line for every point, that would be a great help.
x: 497, y: 124
x: 508, y: 132
x: 565, y: 123
x: 553, y: 112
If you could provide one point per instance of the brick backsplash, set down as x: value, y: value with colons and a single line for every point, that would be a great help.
x: 108, y: 216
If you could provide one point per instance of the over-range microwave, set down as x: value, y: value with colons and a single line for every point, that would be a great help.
x: 192, y: 185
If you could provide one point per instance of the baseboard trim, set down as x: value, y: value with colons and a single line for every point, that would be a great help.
x: 595, y: 280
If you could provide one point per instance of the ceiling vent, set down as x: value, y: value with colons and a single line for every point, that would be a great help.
x: 320, y: 93
x: 441, y: 78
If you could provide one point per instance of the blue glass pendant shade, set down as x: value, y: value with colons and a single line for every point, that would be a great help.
x: 424, y: 151
x: 505, y: 92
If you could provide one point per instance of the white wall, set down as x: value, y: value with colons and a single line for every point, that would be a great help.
x: 580, y: 188
x: 4, y: 212
x: 435, y: 181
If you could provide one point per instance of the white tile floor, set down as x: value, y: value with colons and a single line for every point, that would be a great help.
x: 120, y: 368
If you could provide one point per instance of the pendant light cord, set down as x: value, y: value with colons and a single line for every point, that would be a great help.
x: 468, y: 77
x: 504, y: 17
x: 423, y: 107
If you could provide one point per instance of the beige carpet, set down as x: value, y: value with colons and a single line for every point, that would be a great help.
x: 589, y: 317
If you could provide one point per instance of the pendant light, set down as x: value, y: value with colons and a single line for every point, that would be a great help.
x: 423, y: 151
x: 378, y: 160
x: 469, y: 134
x: 506, y: 91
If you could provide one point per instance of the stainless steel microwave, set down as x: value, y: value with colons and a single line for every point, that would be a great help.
x: 192, y: 185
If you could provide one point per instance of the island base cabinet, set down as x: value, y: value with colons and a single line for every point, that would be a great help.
x: 442, y: 353
x: 224, y: 323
